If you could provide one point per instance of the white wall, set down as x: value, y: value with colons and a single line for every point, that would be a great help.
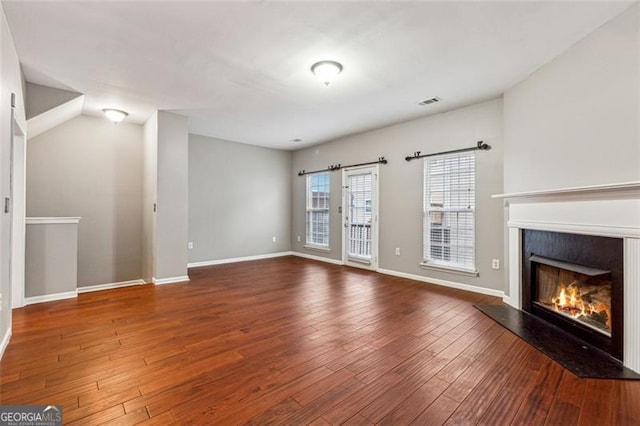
x: 239, y: 198
x: 400, y: 205
x: 92, y: 168
x: 10, y: 82
x: 575, y: 121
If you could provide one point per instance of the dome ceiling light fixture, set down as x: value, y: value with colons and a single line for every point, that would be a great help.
x: 326, y: 71
x: 115, y: 115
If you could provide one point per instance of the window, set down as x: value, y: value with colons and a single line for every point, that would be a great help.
x: 318, y: 209
x: 449, y: 211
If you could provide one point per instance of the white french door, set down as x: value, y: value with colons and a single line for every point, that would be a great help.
x: 360, y: 217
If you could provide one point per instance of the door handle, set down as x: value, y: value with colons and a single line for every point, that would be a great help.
x: 7, y: 204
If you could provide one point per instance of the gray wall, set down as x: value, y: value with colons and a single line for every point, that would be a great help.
x: 92, y: 168
x: 51, y: 265
x: 172, y: 217
x: 149, y: 195
x: 41, y: 99
x: 574, y: 122
x: 400, y: 205
x: 239, y: 198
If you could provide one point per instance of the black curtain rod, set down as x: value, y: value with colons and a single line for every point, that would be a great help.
x: 480, y: 146
x: 333, y: 167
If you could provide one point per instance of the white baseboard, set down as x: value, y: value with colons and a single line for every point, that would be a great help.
x: 5, y: 342
x: 170, y: 280
x: 319, y: 258
x: 50, y: 297
x: 506, y: 299
x: 238, y: 259
x: 444, y: 283
x: 109, y: 286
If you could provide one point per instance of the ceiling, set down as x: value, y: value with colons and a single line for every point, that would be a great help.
x: 241, y: 70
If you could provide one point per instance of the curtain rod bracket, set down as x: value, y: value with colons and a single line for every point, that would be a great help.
x: 483, y: 146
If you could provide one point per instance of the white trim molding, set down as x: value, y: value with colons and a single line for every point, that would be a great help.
x: 324, y: 249
x: 109, y: 286
x: 613, y: 190
x: 5, y: 342
x: 51, y: 220
x: 50, y: 297
x: 631, y: 302
x: 170, y: 280
x: 515, y: 267
x: 444, y: 283
x: 238, y: 259
x: 318, y: 258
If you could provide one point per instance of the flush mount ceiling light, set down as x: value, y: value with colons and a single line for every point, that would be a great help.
x: 115, y: 115
x: 326, y: 71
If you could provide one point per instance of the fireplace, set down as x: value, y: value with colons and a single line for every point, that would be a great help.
x: 611, y: 211
x: 576, y: 283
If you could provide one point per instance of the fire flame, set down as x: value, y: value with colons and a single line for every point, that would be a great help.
x: 569, y: 301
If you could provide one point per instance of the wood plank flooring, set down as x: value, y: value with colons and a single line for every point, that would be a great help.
x: 293, y: 341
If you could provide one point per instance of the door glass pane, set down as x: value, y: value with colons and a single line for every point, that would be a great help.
x: 360, y: 215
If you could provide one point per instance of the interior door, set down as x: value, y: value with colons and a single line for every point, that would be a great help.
x: 360, y: 217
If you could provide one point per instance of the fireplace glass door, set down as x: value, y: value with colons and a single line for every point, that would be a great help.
x: 577, y: 292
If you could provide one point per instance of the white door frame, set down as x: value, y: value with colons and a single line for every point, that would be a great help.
x: 18, y: 213
x: 375, y: 171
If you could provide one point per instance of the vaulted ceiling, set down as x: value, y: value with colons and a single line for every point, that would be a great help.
x: 241, y: 70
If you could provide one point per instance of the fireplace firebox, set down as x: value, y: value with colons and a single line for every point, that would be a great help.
x: 576, y: 283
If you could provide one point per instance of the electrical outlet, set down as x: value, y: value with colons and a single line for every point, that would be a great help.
x: 190, y: 245
x: 274, y: 239
x: 397, y: 251
x: 495, y: 263
x: 299, y: 239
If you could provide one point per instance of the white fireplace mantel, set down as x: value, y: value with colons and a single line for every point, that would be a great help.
x: 625, y: 189
x: 611, y: 210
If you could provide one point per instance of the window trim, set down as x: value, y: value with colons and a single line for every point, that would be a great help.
x: 309, y: 209
x: 444, y: 266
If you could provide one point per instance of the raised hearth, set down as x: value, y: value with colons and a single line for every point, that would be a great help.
x: 572, y: 353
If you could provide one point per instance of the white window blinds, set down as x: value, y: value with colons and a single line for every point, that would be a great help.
x: 449, y: 211
x: 359, y: 195
x: 318, y: 209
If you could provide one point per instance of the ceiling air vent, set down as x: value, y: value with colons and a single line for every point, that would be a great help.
x: 429, y: 101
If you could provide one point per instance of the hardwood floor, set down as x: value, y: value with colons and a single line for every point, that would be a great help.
x: 293, y: 341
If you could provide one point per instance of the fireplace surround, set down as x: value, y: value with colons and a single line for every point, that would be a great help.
x: 611, y: 211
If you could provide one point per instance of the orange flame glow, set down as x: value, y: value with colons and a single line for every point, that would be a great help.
x: 570, y: 302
